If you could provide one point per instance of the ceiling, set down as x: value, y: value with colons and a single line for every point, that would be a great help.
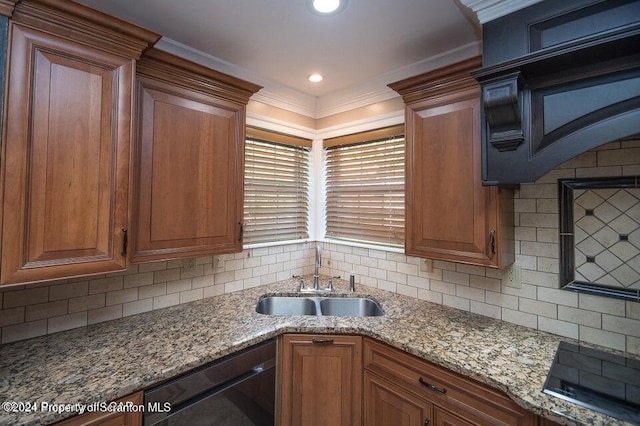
x: 278, y: 43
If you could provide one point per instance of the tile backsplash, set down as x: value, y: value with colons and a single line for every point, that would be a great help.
x: 538, y: 303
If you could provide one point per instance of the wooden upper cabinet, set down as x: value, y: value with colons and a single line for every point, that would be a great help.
x: 449, y: 214
x: 189, y: 159
x: 66, y: 141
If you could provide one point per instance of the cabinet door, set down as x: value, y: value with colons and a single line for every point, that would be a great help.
x: 65, y: 159
x: 188, y: 196
x: 321, y: 380
x: 450, y: 215
x: 386, y: 404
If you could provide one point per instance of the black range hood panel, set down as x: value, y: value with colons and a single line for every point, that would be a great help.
x: 558, y: 78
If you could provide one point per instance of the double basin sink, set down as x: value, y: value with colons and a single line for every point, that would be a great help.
x: 319, y: 306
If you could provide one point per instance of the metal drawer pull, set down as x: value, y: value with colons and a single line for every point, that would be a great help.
x: 426, y: 422
x: 423, y: 382
x: 322, y: 341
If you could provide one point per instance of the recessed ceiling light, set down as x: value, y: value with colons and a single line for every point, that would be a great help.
x: 326, y: 7
x: 316, y: 78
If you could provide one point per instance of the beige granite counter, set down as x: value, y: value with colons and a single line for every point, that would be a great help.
x: 109, y: 360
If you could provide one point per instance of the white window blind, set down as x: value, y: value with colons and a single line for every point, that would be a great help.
x: 276, y: 188
x: 365, y: 187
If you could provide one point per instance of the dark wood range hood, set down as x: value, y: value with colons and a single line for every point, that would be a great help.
x: 558, y: 78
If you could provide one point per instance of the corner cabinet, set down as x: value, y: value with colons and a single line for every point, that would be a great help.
x: 66, y: 141
x: 189, y: 159
x: 400, y: 389
x: 449, y: 214
x: 320, y: 380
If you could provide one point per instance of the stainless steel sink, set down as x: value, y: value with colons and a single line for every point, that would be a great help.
x: 327, y: 306
x: 286, y: 306
x: 350, y: 307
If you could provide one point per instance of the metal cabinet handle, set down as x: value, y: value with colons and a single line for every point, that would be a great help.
x: 322, y: 341
x: 426, y: 422
x: 241, y: 231
x: 125, y: 241
x: 492, y: 241
x: 426, y: 384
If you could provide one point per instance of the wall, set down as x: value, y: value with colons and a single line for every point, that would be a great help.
x: 49, y: 308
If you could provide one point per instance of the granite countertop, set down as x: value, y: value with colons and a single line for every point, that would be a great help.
x: 106, y: 361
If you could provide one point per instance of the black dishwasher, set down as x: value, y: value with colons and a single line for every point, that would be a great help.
x: 238, y: 390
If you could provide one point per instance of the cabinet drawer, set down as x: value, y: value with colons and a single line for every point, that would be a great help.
x: 451, y: 391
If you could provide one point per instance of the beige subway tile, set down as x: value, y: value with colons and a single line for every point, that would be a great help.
x: 456, y: 302
x: 175, y: 263
x: 471, y: 269
x: 122, y: 296
x: 455, y: 277
x: 527, y: 290
x: 435, y: 274
x: 431, y: 296
x: 544, y: 279
x: 554, y: 175
x: 255, y: 281
x: 264, y: 279
x: 30, y: 296
x: 214, y: 290
x: 418, y: 282
x: 178, y: 286
x: 137, y: 307
x: 633, y: 310
x: 494, y: 273
x: 23, y: 331
x: 377, y: 254
x: 397, y: 278
x: 242, y: 274
x: 138, y: 280
x: 106, y: 284
x: 526, y: 234
x: 520, y: 318
x: 631, y: 170
x: 86, y: 303
x: 442, y: 287
x: 152, y: 267
x: 603, y: 338
x: 191, y: 295
x: 407, y: 291
x: 601, y: 304
x: 251, y: 262
x: 105, y: 314
x: 204, y: 260
x: 617, y: 157
x: 160, y: 302
x: 580, y: 317
x: 204, y: 281
x: 562, y: 328
x: 612, y: 145
x: 387, y: 285
x: 12, y: 316
x: 538, y: 191
x: 539, y: 249
x: 486, y: 310
x: 46, y: 310
x: 548, y: 206
x: 633, y: 345
x: 233, y: 286
x: 628, y: 326
x: 152, y: 291
x: 387, y: 265
x: 485, y: 283
x: 545, y: 235
x: 166, y: 275
x: 587, y: 159
x: 539, y: 220
x: 380, y: 274
x: 471, y: 293
x: 560, y: 297
x: 446, y: 266
x: 408, y: 269
x: 235, y: 264
x: 524, y: 205
x: 599, y: 172
x: 526, y: 262
x: 542, y: 309
x: 67, y: 291
x: 502, y: 300
x: 66, y: 322
x: 547, y: 264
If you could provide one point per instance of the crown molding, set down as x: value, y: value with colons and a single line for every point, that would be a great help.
x: 376, y: 90
x: 488, y: 10
x: 269, y: 123
x: 273, y: 93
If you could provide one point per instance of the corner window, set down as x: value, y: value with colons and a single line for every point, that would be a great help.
x: 365, y: 187
x: 276, y: 188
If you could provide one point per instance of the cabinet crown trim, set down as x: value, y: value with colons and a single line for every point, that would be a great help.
x: 172, y: 69
x: 85, y: 25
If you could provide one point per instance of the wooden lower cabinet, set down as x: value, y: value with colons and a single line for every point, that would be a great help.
x: 416, y: 392
x: 320, y: 380
x: 110, y: 419
x: 386, y: 404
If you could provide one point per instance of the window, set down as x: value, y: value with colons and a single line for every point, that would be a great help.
x: 365, y: 187
x: 276, y: 188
